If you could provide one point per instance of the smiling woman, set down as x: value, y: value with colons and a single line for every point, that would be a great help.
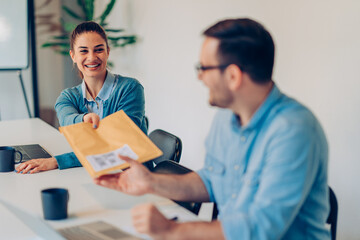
x: 100, y: 94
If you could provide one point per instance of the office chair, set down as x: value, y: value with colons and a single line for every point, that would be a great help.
x: 168, y: 143
x: 332, y: 218
x: 171, y: 167
x: 146, y: 122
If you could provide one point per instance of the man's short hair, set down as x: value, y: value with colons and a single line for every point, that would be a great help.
x: 247, y: 44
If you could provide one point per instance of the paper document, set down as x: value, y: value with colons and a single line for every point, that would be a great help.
x: 98, y: 149
x: 107, y: 160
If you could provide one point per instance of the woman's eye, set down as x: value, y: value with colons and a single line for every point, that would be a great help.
x: 99, y: 50
x: 83, y: 51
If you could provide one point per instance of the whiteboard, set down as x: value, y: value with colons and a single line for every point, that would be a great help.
x: 14, y: 36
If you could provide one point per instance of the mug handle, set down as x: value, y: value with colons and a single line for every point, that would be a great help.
x: 21, y: 156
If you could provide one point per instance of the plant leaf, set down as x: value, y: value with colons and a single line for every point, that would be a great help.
x: 72, y: 13
x: 55, y: 44
x: 81, y: 3
x: 61, y: 37
x: 110, y: 64
x: 113, y: 30
x: 62, y: 52
x: 107, y: 11
x: 122, y: 37
x: 89, y: 9
x: 69, y: 27
x: 125, y: 42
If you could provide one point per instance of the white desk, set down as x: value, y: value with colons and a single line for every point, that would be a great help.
x: 88, y: 202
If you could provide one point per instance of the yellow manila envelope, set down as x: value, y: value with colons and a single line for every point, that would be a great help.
x: 98, y: 149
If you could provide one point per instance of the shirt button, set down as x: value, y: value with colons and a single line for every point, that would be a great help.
x: 210, y: 168
x: 233, y: 195
x: 236, y: 167
x: 243, y: 138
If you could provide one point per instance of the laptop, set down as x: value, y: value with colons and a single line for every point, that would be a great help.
x: 99, y: 230
x: 31, y: 151
x: 25, y: 226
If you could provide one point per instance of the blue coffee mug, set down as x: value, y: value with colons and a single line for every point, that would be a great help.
x: 7, y: 159
x: 55, y: 203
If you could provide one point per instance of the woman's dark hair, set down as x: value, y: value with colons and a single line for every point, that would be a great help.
x: 84, y: 28
x: 87, y: 27
x: 247, y: 44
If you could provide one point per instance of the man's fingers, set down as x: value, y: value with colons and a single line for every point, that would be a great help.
x: 128, y: 160
x: 107, y: 176
x: 109, y: 180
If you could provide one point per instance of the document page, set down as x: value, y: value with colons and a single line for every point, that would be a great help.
x: 110, y: 159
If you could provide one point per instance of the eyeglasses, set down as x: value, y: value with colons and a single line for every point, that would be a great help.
x: 200, y: 68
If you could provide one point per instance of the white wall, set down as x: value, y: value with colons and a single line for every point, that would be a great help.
x: 50, y: 75
x: 12, y: 101
x: 317, y: 62
x: 50, y: 65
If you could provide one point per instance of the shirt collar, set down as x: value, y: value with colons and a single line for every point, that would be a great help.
x: 105, y: 91
x: 262, y: 111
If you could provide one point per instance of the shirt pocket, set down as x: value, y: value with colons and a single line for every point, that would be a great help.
x: 216, y: 171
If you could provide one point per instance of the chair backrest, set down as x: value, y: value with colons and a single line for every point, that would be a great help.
x: 146, y: 122
x: 332, y: 218
x: 168, y: 143
x: 171, y: 167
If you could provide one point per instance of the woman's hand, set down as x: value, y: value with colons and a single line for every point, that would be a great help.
x: 92, y: 118
x: 37, y: 165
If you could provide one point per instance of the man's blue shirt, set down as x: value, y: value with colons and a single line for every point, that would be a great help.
x: 269, y: 178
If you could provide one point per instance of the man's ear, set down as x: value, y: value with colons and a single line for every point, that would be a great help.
x: 234, y: 76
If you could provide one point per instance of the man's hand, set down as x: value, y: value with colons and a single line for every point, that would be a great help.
x: 148, y: 220
x: 137, y: 180
x: 37, y: 165
x: 92, y: 118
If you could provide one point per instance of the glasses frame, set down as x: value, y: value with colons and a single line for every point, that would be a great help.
x: 200, y: 68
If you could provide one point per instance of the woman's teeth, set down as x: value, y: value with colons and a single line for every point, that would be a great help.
x: 92, y: 66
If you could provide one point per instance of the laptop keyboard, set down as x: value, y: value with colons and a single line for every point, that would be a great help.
x: 95, y: 231
x: 76, y: 233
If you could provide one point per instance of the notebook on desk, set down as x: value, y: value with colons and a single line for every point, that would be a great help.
x: 31, y: 151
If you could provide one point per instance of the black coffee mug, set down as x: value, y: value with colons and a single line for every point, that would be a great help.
x: 55, y: 203
x: 7, y: 159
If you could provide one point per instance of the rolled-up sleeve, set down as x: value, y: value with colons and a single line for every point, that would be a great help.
x: 67, y: 160
x: 66, y: 111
